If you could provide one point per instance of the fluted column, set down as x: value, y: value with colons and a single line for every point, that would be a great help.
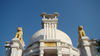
x: 47, y: 31
x: 44, y: 31
x: 49, y: 23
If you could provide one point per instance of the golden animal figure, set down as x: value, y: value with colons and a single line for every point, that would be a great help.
x: 19, y: 34
x: 81, y: 32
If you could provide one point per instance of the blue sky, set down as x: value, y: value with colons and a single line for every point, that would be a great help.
x: 26, y: 13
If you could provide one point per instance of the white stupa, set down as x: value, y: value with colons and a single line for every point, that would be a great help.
x: 50, y: 41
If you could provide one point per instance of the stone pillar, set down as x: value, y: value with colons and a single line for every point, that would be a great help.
x: 84, y: 46
x: 8, y: 49
x: 59, y: 49
x: 58, y: 44
x: 88, y: 51
x: 41, y: 48
x: 94, y: 51
x: 19, y: 52
x: 7, y: 52
x: 14, y: 52
x: 93, y: 48
x: 41, y: 44
x: 45, y: 36
x: 16, y: 47
x: 71, y: 54
x: 41, y: 52
x: 59, y: 52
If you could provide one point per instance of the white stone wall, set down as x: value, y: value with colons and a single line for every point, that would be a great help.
x: 16, y: 48
x: 86, y: 47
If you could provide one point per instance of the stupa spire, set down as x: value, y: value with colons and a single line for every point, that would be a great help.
x: 49, y: 24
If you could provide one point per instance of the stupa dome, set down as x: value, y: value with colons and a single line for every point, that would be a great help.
x: 60, y: 35
x: 49, y: 31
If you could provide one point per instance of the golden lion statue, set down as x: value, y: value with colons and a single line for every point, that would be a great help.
x: 81, y: 32
x: 19, y: 34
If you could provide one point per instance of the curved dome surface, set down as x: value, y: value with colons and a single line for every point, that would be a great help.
x: 59, y: 36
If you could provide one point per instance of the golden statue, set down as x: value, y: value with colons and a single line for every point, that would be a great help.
x: 19, y: 34
x: 81, y: 32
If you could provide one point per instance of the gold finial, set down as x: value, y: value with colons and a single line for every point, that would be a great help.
x: 81, y: 32
x: 19, y: 34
